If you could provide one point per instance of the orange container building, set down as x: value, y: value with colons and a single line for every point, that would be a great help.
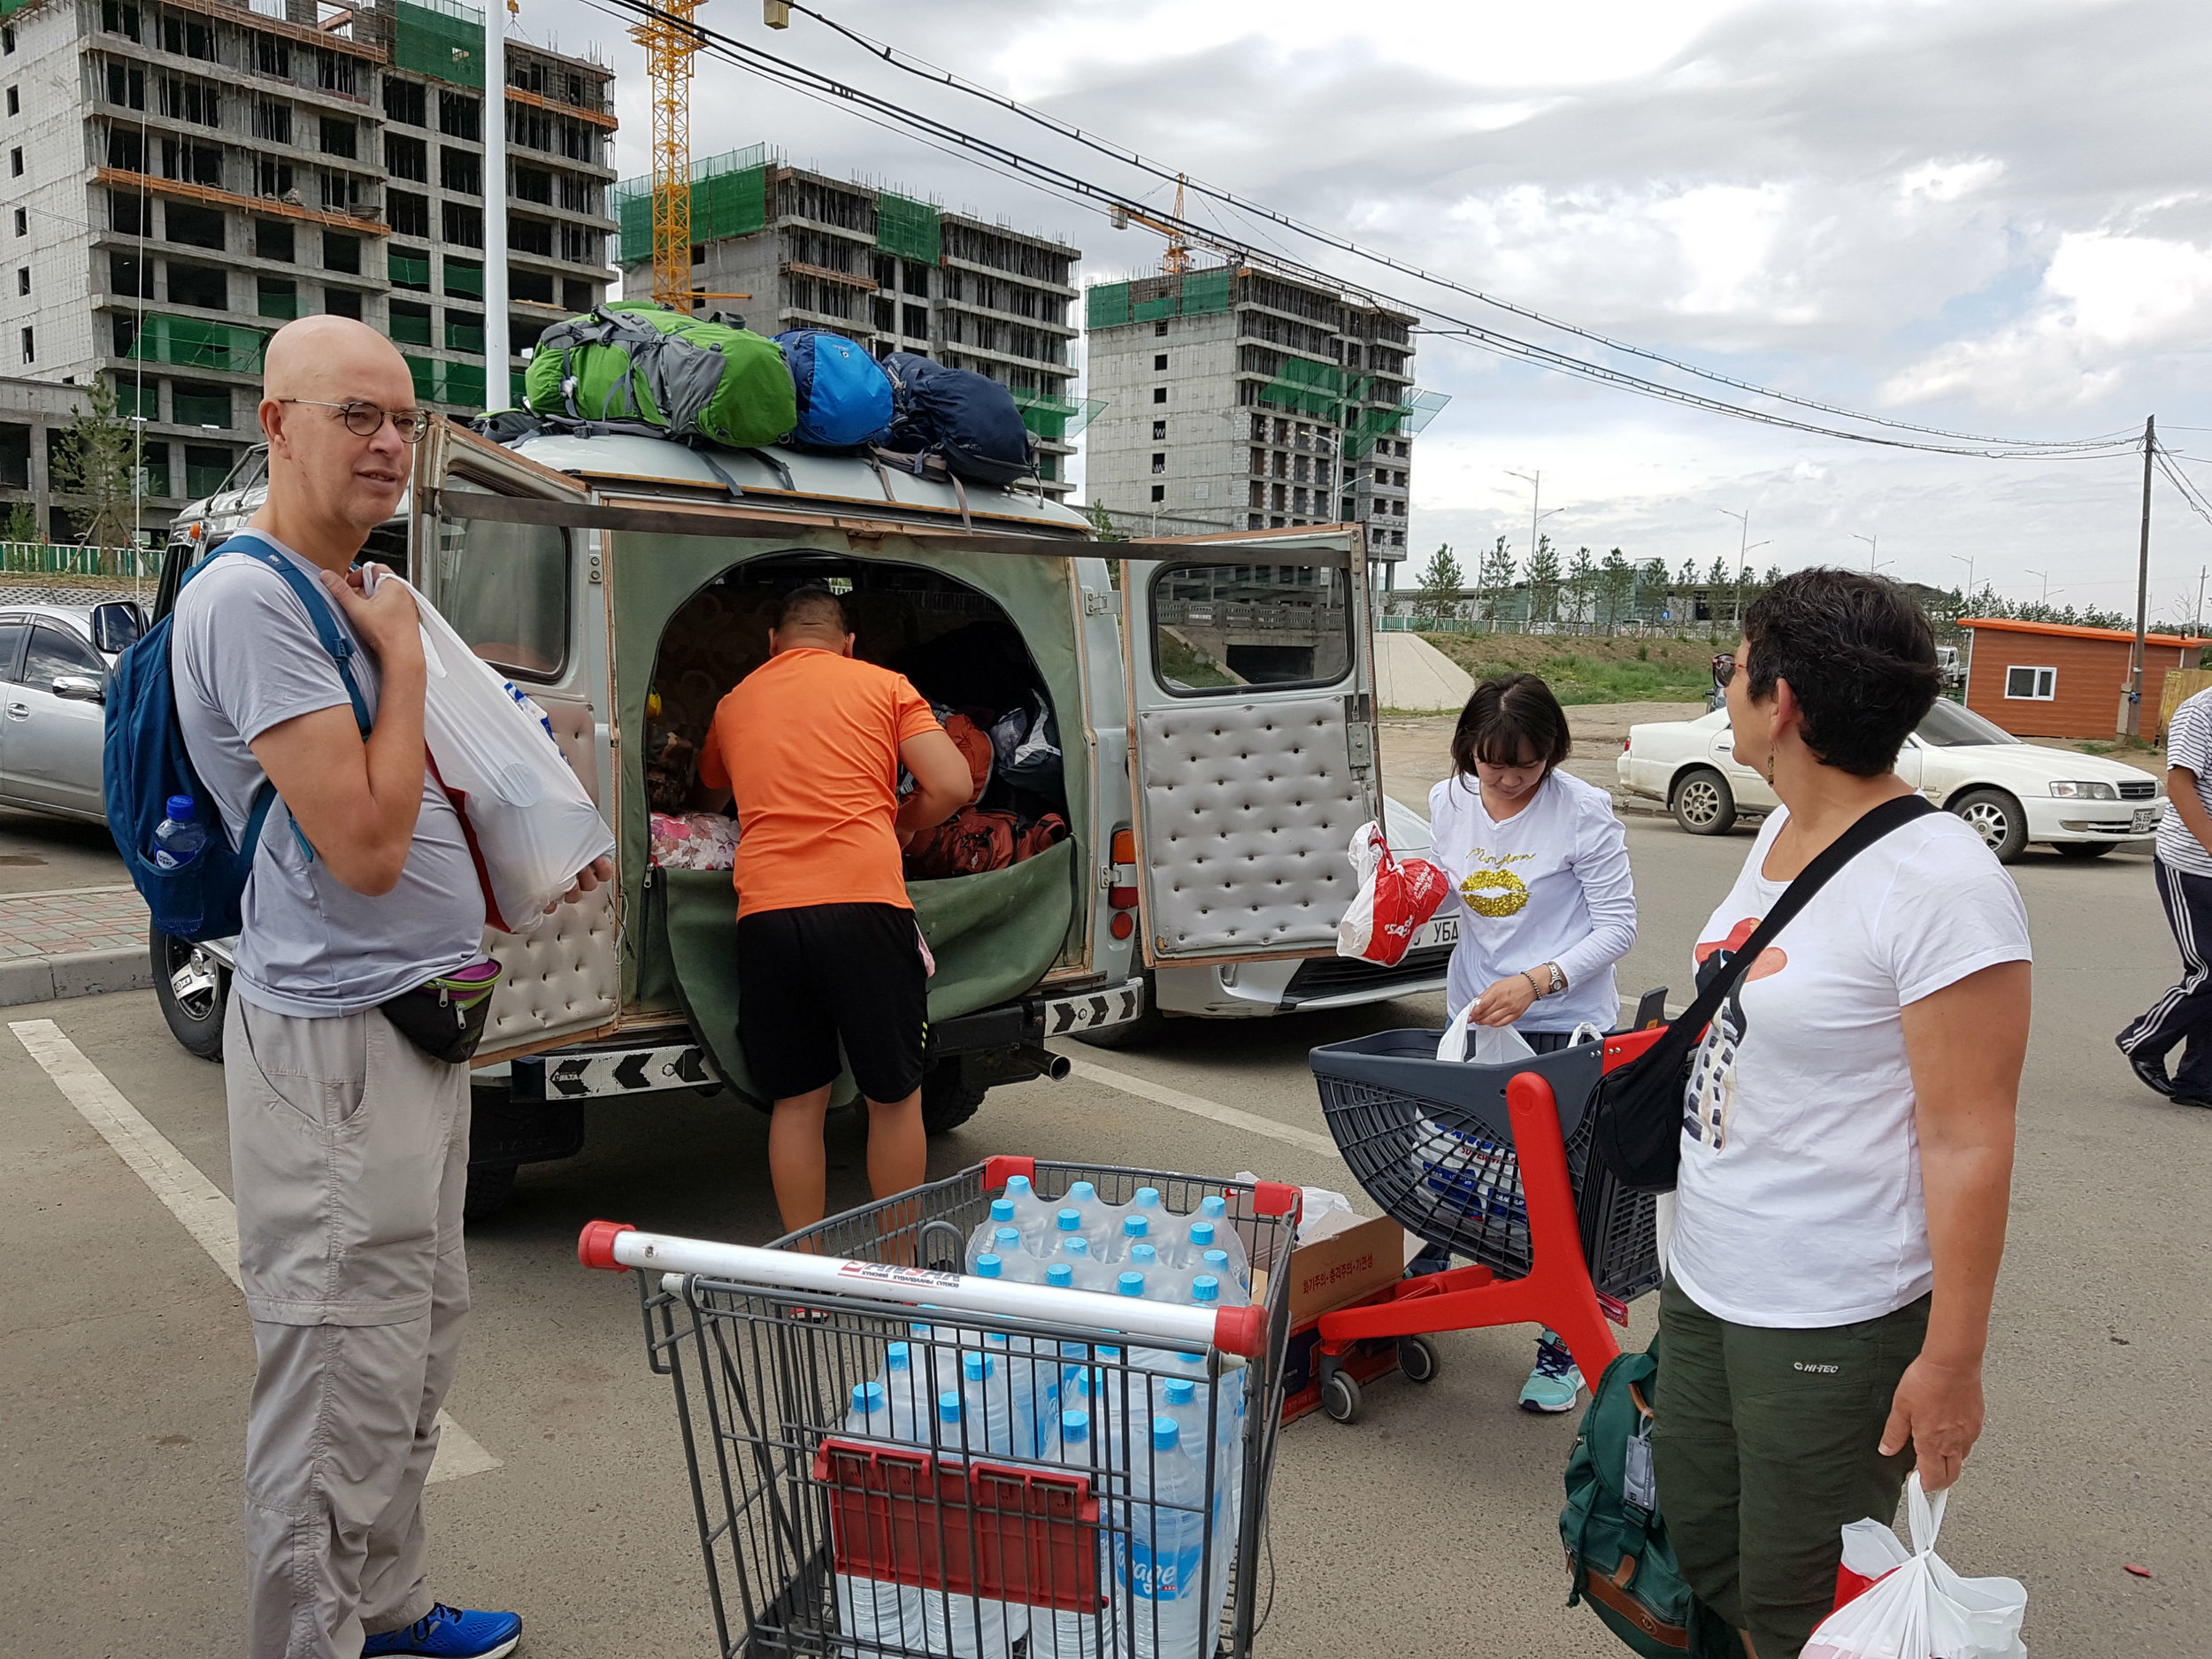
x: 2050, y: 680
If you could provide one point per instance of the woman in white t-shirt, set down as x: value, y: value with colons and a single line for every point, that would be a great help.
x: 1848, y: 1131
x: 1539, y: 865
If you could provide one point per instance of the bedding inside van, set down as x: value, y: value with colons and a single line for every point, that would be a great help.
x: 993, y: 936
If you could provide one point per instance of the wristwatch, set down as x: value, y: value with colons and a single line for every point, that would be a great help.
x: 1558, y: 980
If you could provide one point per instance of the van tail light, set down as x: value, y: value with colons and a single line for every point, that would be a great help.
x: 1122, y: 925
x: 1122, y: 896
x: 1624, y: 746
x: 1125, y: 846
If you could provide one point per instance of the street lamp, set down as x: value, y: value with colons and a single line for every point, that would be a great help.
x: 1873, y: 546
x: 1744, y: 547
x: 1535, y: 481
x: 1966, y: 559
x: 2045, y: 575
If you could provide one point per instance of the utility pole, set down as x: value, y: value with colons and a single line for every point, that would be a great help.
x: 1873, y: 547
x: 1967, y: 598
x: 2132, y: 701
x: 2045, y: 575
x: 498, y: 384
x: 1744, y: 546
x: 2197, y: 627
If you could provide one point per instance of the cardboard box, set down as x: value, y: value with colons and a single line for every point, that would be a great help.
x: 1344, y: 1259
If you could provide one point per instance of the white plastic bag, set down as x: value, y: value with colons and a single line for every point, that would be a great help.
x: 528, y: 818
x: 1313, y: 1203
x: 1921, y: 1610
x: 1494, y: 1045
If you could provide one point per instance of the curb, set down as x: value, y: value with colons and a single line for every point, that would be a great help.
x: 75, y: 973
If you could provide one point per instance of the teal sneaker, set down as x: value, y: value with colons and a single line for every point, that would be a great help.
x: 1554, y: 1383
x: 450, y: 1633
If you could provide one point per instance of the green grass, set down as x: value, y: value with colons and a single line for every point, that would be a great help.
x: 1589, y: 670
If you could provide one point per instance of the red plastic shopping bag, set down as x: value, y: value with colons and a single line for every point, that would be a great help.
x: 1396, y: 898
x: 1920, y: 1609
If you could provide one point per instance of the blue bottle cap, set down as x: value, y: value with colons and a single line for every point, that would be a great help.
x: 1075, y: 1350
x: 179, y: 807
x: 875, y: 1395
x: 1060, y: 1276
x: 1113, y: 1354
x: 1205, y: 1288
x: 1213, y: 1209
x: 1008, y: 1239
x: 860, y: 1395
x: 1166, y: 1433
x: 1070, y: 1220
x: 995, y: 1339
x: 1135, y: 1227
x: 898, y: 1356
x: 1001, y: 1210
x: 1075, y: 1427
x: 1083, y: 1193
x: 987, y: 1266
x: 1075, y: 1244
x: 1147, y: 1198
x: 949, y: 1407
x: 1144, y: 1256
x: 976, y: 1367
x: 1016, y: 1184
x: 1180, y: 1391
x: 1131, y: 1284
x: 1218, y: 1260
x: 1202, y: 1234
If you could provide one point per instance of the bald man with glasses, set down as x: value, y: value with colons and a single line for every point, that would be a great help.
x: 348, y: 1143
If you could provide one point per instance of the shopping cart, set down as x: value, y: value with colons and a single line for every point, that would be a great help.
x: 832, y: 1532
x: 1492, y: 1162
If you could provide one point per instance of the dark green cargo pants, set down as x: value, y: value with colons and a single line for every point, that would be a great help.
x: 1766, y: 1445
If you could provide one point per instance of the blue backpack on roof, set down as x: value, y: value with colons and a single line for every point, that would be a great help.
x: 144, y: 763
x: 844, y: 398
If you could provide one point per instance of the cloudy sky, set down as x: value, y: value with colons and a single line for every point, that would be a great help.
x: 1993, y: 216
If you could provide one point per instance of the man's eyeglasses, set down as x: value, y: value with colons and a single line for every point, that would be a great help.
x: 1724, y: 669
x: 366, y: 420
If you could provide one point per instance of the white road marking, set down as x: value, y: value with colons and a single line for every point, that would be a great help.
x: 209, y: 1217
x: 1198, y: 1106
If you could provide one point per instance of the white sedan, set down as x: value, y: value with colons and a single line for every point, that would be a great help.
x: 2011, y: 791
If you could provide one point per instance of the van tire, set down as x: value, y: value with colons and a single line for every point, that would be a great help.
x: 196, y: 1020
x: 949, y: 1097
x: 489, y: 1187
x: 1132, y: 1033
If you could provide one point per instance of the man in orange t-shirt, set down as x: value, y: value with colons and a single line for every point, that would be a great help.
x: 807, y: 750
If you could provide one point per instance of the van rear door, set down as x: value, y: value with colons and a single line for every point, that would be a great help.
x: 529, y: 596
x: 1253, y: 750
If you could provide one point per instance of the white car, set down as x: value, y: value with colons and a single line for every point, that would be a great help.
x: 2012, y: 792
x: 1252, y: 990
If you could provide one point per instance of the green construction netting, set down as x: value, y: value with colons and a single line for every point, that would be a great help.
x: 633, y: 206
x: 993, y: 935
x: 659, y: 573
x: 189, y: 343
x: 1150, y: 299
x: 407, y: 270
x: 1051, y: 416
x: 1106, y: 305
x: 456, y: 384
x: 444, y: 41
x: 465, y: 278
x: 1207, y: 291
x: 1310, y: 387
x: 907, y: 228
x: 729, y: 198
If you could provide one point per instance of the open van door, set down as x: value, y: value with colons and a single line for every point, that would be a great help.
x: 531, y: 600
x: 1253, y: 743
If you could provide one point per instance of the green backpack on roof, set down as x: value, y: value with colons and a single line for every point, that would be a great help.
x: 693, y: 377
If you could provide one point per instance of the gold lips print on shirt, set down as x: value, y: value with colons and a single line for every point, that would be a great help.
x: 1495, y: 891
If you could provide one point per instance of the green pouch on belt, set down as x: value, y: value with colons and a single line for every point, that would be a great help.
x: 444, y: 1016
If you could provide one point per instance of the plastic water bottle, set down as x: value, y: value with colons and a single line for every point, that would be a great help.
x: 1161, y: 1282
x: 1099, y: 1218
x: 1232, y: 1291
x: 1060, y: 1275
x: 1033, y: 1215
x: 179, y: 837
x: 1016, y: 1262
x: 1215, y: 1210
x: 1032, y: 1386
x: 909, y: 1395
x: 875, y: 1609
x: 1159, y: 1562
x: 941, y: 1349
x: 1195, y: 1241
x: 1060, y: 1633
x: 1186, y: 1404
x: 1135, y: 1230
x: 1146, y: 1202
x: 1002, y: 1216
x: 1089, y: 1272
x: 955, y: 1622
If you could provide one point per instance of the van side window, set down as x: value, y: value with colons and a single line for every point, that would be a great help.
x: 1219, y: 628
x: 504, y: 588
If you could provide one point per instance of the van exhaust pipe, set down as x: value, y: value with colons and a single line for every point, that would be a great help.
x: 1048, y: 1065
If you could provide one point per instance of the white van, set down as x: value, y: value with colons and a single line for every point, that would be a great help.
x: 625, y: 582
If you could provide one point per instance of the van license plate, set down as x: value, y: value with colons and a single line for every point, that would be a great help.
x: 1444, y: 930
x: 2145, y: 819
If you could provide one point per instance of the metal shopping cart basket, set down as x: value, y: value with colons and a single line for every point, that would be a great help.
x: 1439, y: 1145
x: 834, y: 1525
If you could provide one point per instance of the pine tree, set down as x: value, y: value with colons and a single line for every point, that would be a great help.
x: 92, y: 466
x: 1495, y: 580
x: 1582, y: 587
x: 1542, y: 577
x: 1616, y: 589
x: 1438, y: 595
x: 22, y: 523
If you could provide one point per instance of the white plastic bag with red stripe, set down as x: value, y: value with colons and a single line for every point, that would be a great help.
x: 1396, y: 898
x: 1919, y: 1609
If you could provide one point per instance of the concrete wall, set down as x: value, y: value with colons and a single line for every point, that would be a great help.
x: 1203, y: 487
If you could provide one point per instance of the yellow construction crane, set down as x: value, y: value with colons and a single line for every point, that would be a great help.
x: 670, y: 46
x: 1176, y: 261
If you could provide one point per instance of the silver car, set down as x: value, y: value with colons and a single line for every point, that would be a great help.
x: 54, y: 664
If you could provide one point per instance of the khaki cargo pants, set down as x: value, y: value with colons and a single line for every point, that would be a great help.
x: 350, y: 1158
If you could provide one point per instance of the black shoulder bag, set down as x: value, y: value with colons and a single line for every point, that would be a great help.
x: 1635, y: 1110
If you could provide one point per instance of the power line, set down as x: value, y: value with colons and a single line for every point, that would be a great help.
x: 827, y: 89
x: 2189, y: 492
x: 921, y: 68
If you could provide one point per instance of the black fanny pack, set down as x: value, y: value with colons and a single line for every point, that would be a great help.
x: 444, y: 1016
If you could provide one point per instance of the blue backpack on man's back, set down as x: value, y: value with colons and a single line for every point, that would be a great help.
x: 144, y: 763
x: 844, y: 399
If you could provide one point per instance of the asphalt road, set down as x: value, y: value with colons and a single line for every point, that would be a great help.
x: 1428, y: 1528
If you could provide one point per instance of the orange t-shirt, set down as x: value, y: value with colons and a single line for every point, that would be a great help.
x: 808, y: 745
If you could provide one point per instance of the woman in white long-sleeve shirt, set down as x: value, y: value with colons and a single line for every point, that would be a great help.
x: 1539, y: 863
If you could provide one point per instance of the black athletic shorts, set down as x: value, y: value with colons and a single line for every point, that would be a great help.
x: 809, y: 976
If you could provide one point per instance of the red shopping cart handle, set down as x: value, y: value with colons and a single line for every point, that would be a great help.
x: 594, y: 1246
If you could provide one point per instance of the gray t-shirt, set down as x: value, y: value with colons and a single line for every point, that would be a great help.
x: 244, y: 656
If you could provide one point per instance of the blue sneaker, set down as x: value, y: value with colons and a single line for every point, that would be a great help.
x: 450, y: 1632
x: 1554, y: 1383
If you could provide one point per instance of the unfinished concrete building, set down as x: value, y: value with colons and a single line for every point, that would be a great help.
x: 1240, y: 397
x: 788, y: 249
x: 187, y: 176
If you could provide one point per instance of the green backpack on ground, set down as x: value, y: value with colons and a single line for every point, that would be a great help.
x: 1617, y: 1551
x: 693, y: 377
